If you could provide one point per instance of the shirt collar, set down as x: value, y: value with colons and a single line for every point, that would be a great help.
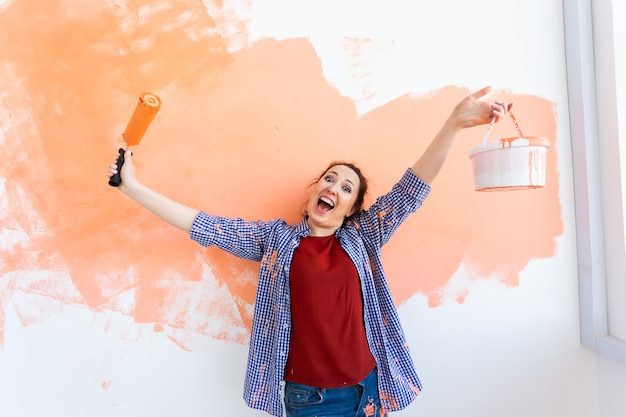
x: 303, y: 230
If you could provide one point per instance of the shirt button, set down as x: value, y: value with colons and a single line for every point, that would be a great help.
x: 282, y: 353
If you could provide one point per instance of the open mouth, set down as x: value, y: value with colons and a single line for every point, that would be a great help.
x: 325, y: 205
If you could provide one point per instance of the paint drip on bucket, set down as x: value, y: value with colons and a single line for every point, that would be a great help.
x: 509, y: 164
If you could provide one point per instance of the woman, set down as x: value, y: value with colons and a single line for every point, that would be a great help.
x: 325, y: 331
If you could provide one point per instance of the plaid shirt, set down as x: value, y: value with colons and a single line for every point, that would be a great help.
x: 272, y: 243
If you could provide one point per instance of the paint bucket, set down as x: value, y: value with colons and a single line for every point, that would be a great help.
x: 510, y: 164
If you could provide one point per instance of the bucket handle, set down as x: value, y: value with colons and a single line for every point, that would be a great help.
x: 493, y: 119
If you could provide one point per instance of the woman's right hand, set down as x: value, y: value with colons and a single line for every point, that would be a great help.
x: 127, y: 173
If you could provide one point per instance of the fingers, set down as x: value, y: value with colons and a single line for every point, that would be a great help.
x: 499, y: 109
x: 112, y: 168
x: 481, y: 93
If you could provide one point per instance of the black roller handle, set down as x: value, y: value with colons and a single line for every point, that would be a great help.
x: 116, y: 179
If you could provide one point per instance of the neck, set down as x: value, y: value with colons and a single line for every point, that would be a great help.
x: 320, y: 231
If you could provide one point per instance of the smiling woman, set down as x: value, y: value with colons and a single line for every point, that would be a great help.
x: 106, y: 307
x: 338, y: 194
x: 324, y: 319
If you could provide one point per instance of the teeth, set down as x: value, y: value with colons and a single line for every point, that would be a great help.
x: 327, y: 201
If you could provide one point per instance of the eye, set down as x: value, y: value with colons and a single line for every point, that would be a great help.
x: 329, y: 178
x: 347, y: 189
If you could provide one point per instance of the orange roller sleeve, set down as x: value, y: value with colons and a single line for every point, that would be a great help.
x: 148, y: 106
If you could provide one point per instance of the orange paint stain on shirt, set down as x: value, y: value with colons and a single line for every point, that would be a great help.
x: 239, y: 134
x: 384, y: 396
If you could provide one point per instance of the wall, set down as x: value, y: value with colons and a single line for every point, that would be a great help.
x: 107, y: 312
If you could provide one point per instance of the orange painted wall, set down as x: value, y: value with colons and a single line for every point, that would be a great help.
x: 241, y: 134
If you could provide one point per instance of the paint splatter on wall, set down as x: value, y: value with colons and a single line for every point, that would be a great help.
x: 242, y: 131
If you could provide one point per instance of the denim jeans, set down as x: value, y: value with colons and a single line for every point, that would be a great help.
x: 359, y: 400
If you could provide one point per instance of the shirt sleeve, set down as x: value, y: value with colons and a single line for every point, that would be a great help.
x: 389, y: 211
x: 244, y: 239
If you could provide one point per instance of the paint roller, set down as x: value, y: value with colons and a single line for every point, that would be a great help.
x: 147, y: 107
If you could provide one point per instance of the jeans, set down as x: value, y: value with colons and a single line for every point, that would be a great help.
x: 359, y: 400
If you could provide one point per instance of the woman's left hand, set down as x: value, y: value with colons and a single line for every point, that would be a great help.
x: 471, y: 111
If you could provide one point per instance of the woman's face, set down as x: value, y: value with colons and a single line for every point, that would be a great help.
x: 332, y: 200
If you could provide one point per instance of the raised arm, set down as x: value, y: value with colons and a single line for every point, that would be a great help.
x: 173, y: 212
x: 468, y: 113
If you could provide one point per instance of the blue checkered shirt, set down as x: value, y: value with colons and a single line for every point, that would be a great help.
x: 272, y: 243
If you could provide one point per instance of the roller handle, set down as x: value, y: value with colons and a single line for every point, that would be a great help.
x: 116, y: 179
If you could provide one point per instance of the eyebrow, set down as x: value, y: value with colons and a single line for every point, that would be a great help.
x: 337, y: 174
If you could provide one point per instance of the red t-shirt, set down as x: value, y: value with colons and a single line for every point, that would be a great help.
x: 328, y: 347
